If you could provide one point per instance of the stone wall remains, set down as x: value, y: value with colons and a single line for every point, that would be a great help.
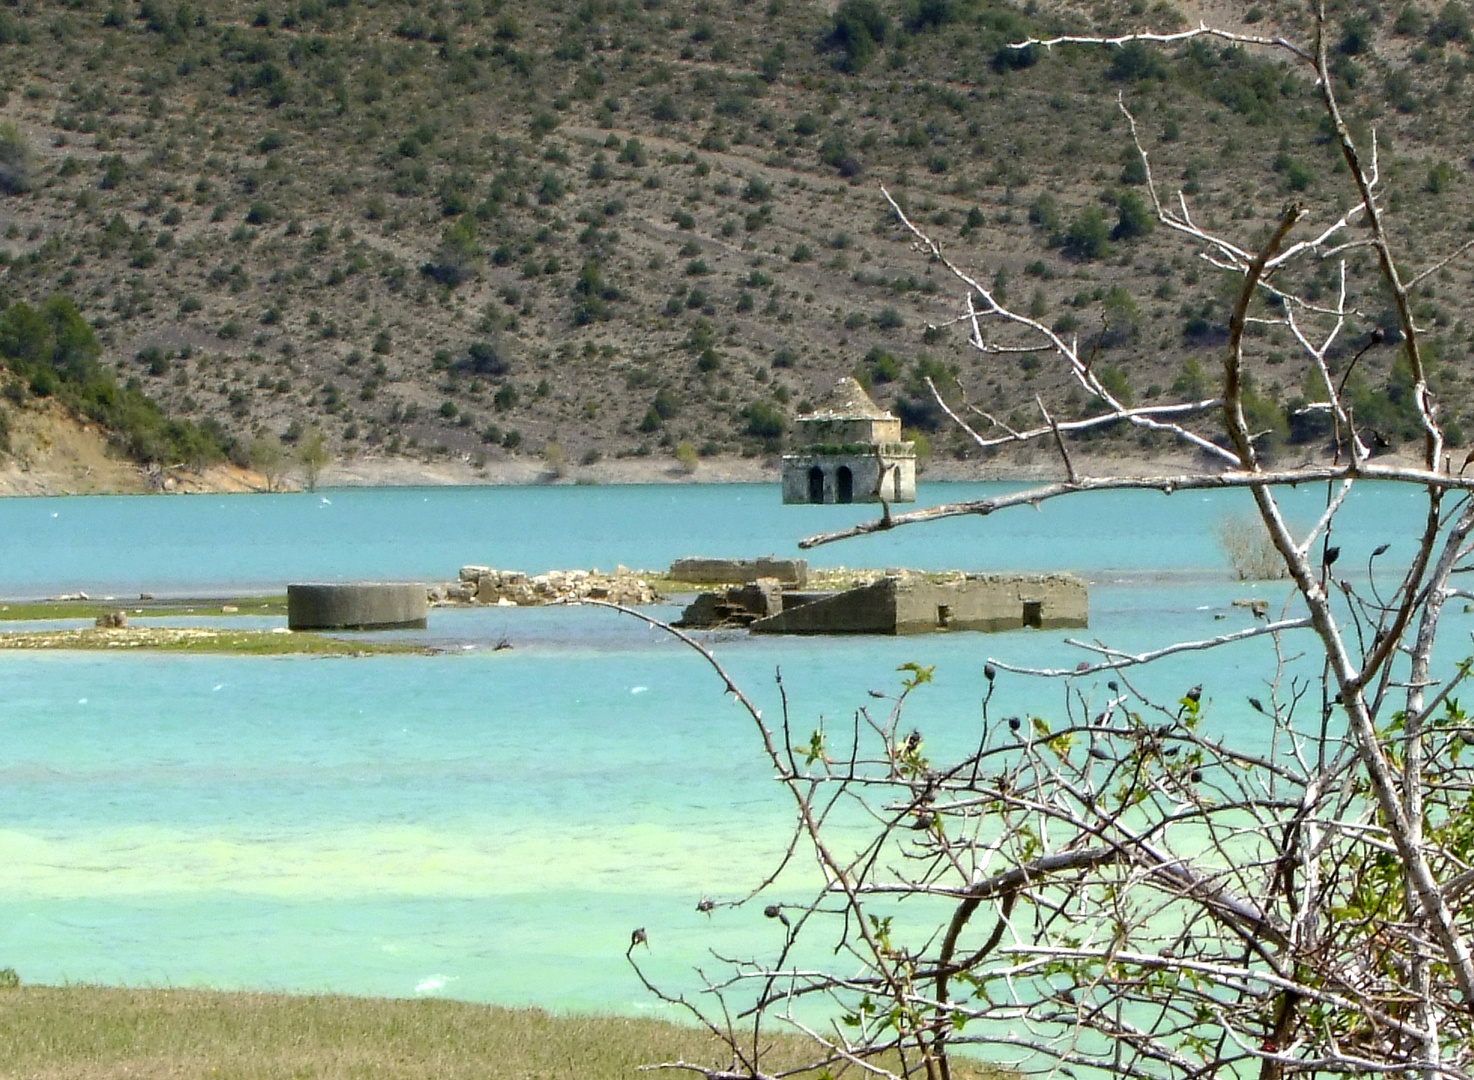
x: 992, y: 602
x: 788, y: 572
x: 913, y: 604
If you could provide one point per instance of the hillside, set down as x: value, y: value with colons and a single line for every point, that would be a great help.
x: 473, y: 229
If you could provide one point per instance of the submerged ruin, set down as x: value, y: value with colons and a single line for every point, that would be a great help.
x: 900, y: 603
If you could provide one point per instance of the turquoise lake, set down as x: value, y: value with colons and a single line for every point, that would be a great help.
x: 492, y: 825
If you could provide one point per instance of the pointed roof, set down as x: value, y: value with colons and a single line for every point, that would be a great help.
x: 848, y: 401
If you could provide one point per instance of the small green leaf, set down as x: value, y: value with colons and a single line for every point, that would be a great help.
x: 919, y: 674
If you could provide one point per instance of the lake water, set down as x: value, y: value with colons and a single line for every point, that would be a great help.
x: 492, y: 825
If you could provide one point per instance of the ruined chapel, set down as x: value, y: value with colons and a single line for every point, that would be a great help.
x: 849, y: 450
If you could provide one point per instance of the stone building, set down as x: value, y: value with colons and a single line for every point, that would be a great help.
x: 849, y: 450
x: 917, y: 604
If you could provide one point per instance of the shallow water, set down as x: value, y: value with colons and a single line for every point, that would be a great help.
x: 492, y: 825
x: 208, y: 543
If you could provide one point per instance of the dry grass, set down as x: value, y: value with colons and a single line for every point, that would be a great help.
x: 88, y: 1032
x: 1245, y: 541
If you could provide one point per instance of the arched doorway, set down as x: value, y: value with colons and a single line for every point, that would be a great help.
x: 844, y: 485
x: 816, y: 485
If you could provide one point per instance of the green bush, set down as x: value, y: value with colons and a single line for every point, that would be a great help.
x: 485, y: 358
x: 1133, y: 169
x: 881, y: 367
x: 1450, y: 26
x: 921, y: 15
x: 1133, y: 217
x: 1137, y: 61
x: 1043, y: 212
x: 1440, y: 178
x: 757, y: 190
x: 1192, y: 382
x: 1116, y: 384
x: 1088, y: 236
x: 666, y: 406
x: 1297, y: 175
x: 915, y: 405
x: 1255, y: 88
x: 858, y: 29
x: 114, y: 172
x: 763, y: 420
x: 593, y: 293
x: 1266, y: 418
x: 15, y: 160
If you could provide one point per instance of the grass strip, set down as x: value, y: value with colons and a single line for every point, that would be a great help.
x: 203, y: 640
x: 35, y: 610
x: 88, y: 1033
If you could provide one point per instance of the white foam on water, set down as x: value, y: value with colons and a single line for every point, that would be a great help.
x: 431, y: 983
x: 638, y: 689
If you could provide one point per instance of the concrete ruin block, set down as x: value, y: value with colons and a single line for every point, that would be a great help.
x: 914, y: 605
x: 474, y: 573
x: 739, y: 606
x: 358, y: 606
x: 868, y: 609
x: 788, y: 572
x: 763, y: 597
x: 702, y: 613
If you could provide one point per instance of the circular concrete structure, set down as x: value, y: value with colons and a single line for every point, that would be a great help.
x: 361, y: 606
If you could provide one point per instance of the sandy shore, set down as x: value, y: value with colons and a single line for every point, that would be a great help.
x: 63, y: 458
x: 1030, y: 464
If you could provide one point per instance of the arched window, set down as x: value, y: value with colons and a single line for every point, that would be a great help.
x: 844, y: 485
x: 816, y: 485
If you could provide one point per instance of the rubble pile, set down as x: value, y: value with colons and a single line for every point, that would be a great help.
x: 507, y: 588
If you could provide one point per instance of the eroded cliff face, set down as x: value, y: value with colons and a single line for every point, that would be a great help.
x: 52, y: 453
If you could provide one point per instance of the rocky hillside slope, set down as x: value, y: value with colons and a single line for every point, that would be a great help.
x: 477, y: 228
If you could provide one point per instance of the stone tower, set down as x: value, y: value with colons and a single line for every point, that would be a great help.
x: 849, y: 450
